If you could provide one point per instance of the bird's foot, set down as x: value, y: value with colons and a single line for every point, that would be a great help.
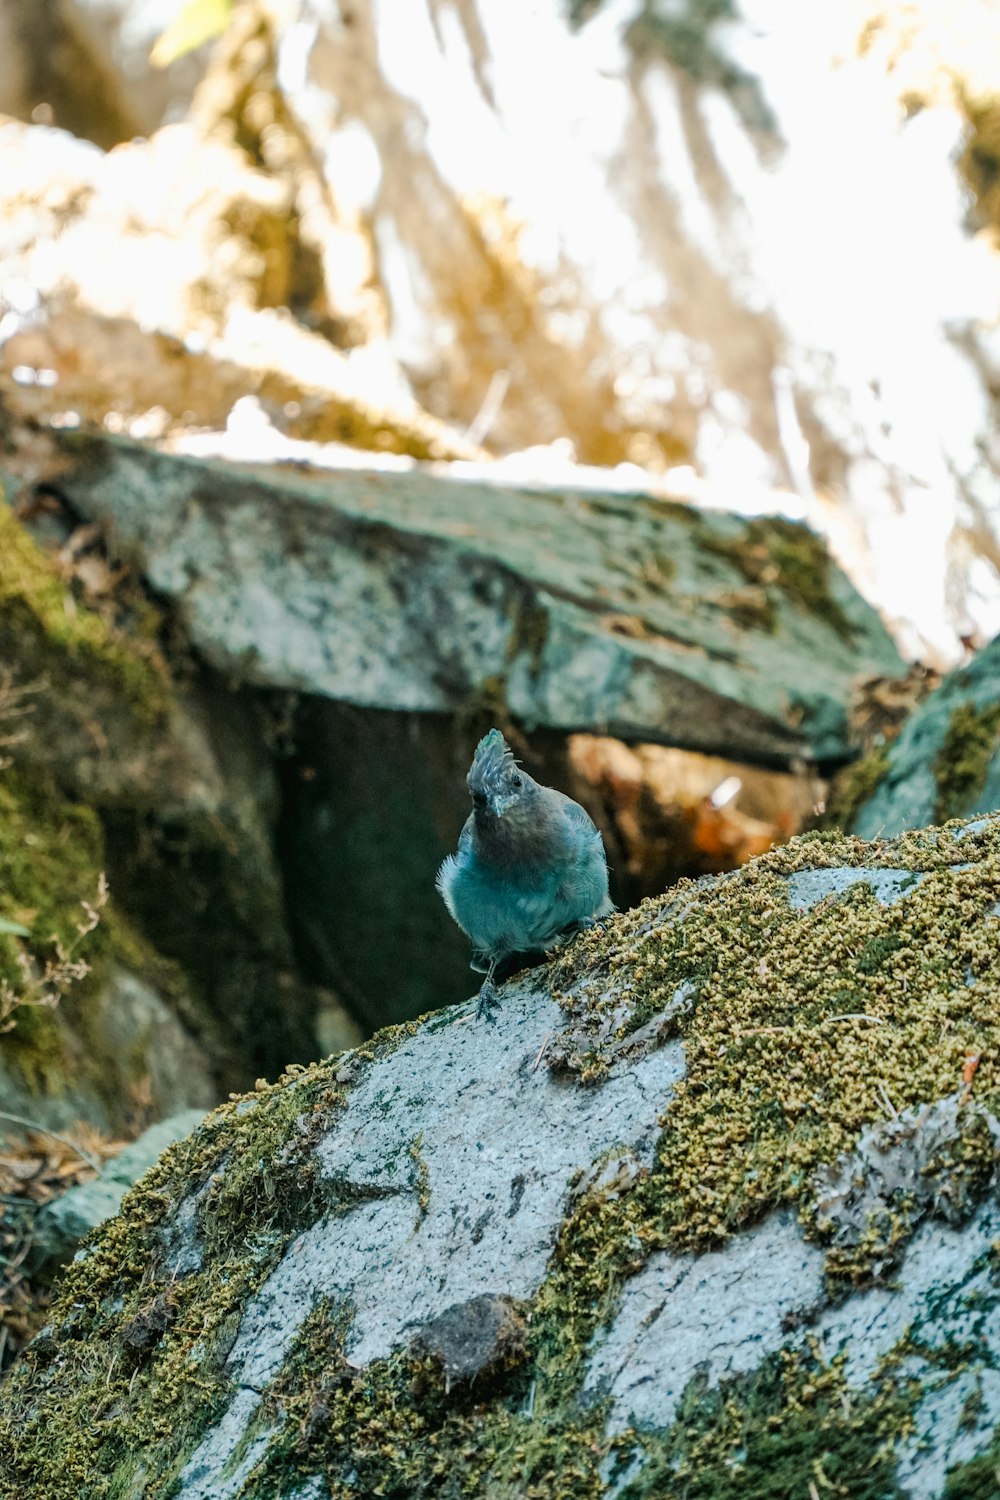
x: 488, y: 1002
x: 589, y: 924
x: 572, y: 930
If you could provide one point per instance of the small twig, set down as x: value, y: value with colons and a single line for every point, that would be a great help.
x: 886, y: 1102
x: 538, y: 1056
x: 855, y: 1015
x: 53, y: 1135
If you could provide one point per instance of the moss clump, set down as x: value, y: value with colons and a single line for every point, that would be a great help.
x: 63, y: 635
x: 854, y: 786
x: 979, y: 1479
x: 52, y: 858
x: 119, y: 1416
x: 782, y: 559
x: 395, y: 1427
x: 801, y: 1025
x: 791, y: 1425
x: 962, y: 764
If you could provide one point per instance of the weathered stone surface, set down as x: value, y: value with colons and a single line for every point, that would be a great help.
x: 472, y: 1338
x: 350, y: 1242
x: 409, y: 591
x: 946, y: 761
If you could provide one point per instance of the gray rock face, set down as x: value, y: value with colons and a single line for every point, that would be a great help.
x: 716, y: 1315
x: 410, y: 591
x: 719, y: 1315
x: 946, y: 761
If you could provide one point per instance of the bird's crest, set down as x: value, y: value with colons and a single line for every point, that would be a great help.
x: 490, y: 764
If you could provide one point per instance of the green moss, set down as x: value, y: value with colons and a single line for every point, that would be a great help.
x: 395, y: 1428
x: 52, y: 856
x: 792, y: 1423
x: 782, y: 559
x: 37, y: 609
x: 962, y: 764
x: 854, y: 786
x: 959, y: 1175
x: 127, y: 1410
x: 51, y: 859
x: 979, y: 1479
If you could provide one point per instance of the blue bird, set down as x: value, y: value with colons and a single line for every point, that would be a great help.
x: 530, y: 866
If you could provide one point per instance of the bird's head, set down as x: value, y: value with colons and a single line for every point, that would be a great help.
x: 498, y: 786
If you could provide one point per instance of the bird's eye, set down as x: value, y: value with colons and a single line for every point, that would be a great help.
x: 517, y: 781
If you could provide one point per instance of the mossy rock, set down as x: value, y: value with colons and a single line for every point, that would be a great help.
x: 944, y: 764
x: 113, y: 1049
x: 161, y: 780
x: 711, y: 1210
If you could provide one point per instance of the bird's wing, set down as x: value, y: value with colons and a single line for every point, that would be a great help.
x: 465, y: 837
x: 577, y: 817
x: 589, y: 879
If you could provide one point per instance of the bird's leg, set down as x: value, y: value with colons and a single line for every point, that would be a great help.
x: 489, y: 995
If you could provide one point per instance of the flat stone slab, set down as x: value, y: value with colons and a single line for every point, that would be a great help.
x: 627, y: 615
